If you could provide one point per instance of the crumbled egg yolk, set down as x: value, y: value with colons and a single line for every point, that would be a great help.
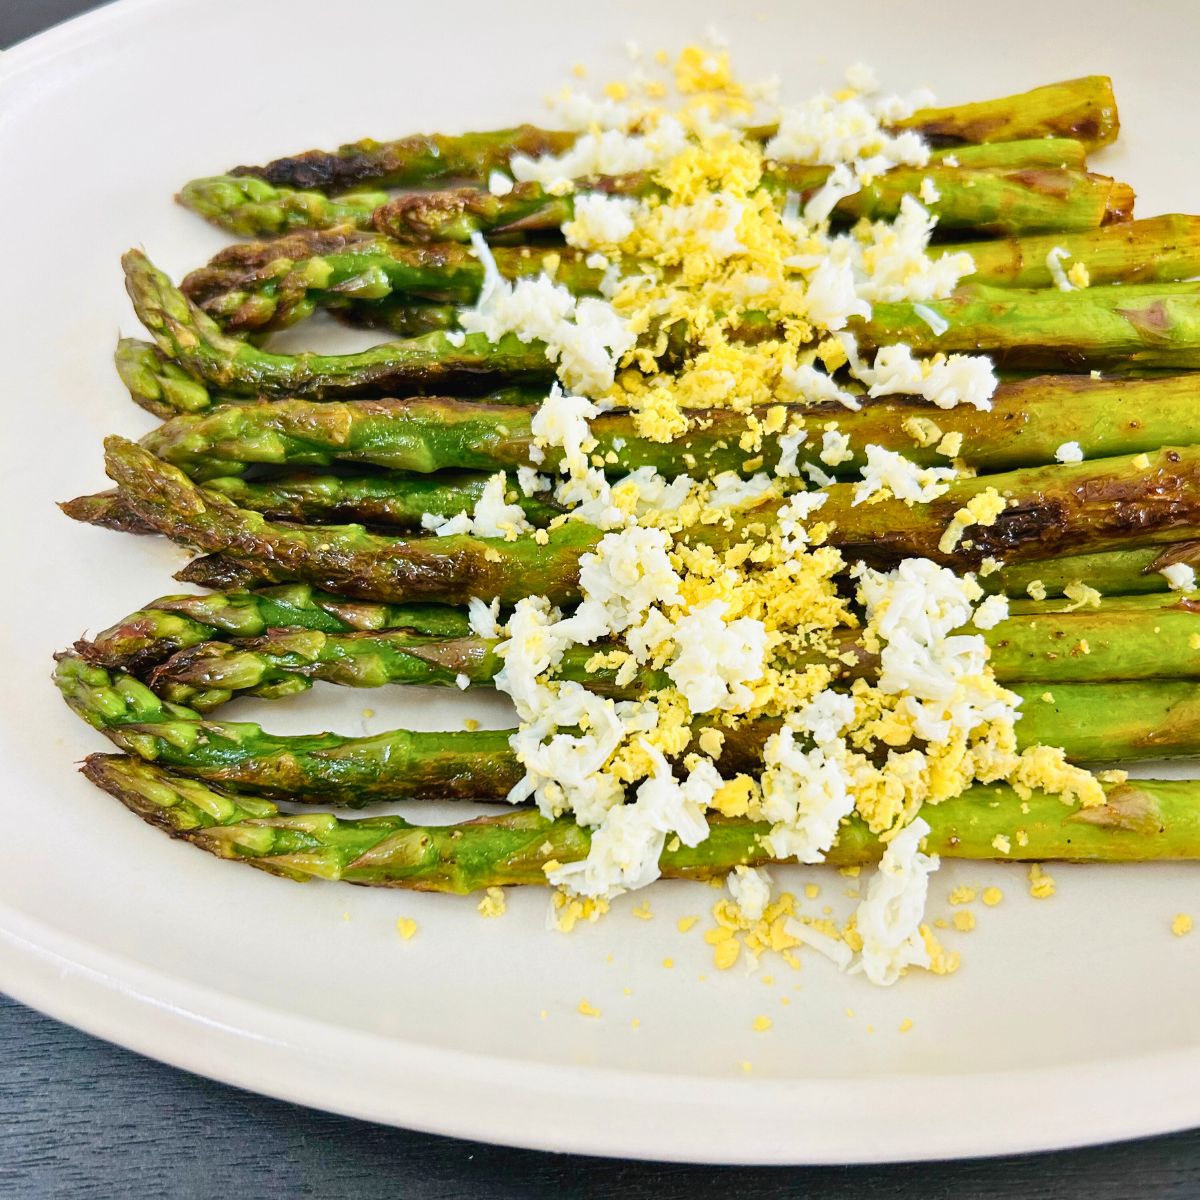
x: 1041, y: 885
x: 493, y: 903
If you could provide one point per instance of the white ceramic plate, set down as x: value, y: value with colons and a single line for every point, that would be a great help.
x: 1072, y: 1020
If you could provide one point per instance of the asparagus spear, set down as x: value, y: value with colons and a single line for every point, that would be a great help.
x: 985, y: 199
x: 174, y: 623
x: 193, y: 339
x: 1126, y: 572
x: 1077, y: 507
x: 1028, y: 421
x: 1083, y: 109
x: 397, y: 501
x: 1125, y: 641
x: 346, y: 558
x: 108, y: 511
x: 1147, y: 326
x: 270, y: 285
x: 1090, y: 722
x: 1021, y: 152
x: 251, y: 207
x: 410, y: 161
x: 1083, y: 506
x: 1142, y: 820
x: 157, y: 383
x: 1152, y: 325
x: 1164, y: 248
x: 1111, y: 572
x: 161, y: 386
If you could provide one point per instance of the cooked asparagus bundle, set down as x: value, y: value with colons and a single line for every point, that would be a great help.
x: 232, y: 474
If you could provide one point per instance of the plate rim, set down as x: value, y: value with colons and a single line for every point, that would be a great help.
x: 188, y: 1026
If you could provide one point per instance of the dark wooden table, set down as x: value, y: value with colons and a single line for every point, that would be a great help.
x: 79, y: 1117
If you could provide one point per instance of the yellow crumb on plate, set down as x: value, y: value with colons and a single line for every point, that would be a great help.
x: 964, y: 920
x: 1041, y: 885
x: 493, y: 903
x: 685, y: 923
x: 992, y: 896
x: 1182, y: 924
x: 905, y: 1025
x: 642, y: 912
x: 587, y: 1010
x: 762, y: 1024
x: 406, y: 927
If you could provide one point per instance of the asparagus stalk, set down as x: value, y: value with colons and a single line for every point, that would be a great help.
x: 161, y: 386
x: 1083, y: 109
x: 186, y: 334
x: 1022, y: 152
x: 174, y: 623
x: 1028, y: 421
x: 1143, y: 820
x: 1159, y: 327
x: 397, y: 501
x: 251, y: 207
x: 1043, y: 645
x: 1156, y: 249
x: 271, y: 285
x: 346, y: 558
x: 157, y: 383
x: 1074, y: 508
x: 1128, y: 572
x: 985, y: 199
x: 1089, y: 722
x: 1153, y: 325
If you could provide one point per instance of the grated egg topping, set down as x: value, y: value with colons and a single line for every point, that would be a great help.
x: 718, y: 602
